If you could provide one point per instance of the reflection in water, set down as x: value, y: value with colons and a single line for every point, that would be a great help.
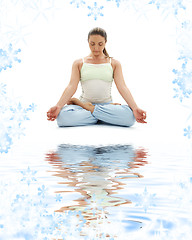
x: 95, y: 172
x: 93, y: 175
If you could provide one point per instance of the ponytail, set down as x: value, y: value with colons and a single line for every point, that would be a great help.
x: 105, y: 52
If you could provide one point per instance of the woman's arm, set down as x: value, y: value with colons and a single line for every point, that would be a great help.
x: 121, y: 85
x: 72, y: 86
x: 68, y: 92
x: 139, y: 114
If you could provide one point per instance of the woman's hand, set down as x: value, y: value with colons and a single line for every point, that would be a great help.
x: 140, y: 115
x: 53, y: 113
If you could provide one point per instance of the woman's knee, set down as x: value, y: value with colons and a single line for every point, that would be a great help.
x: 65, y: 117
x: 130, y: 122
x: 129, y: 117
x: 71, y: 117
x: 62, y: 119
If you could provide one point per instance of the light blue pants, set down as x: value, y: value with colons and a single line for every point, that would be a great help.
x: 74, y: 115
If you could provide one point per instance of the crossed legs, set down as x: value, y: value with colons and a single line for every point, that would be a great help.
x: 77, y: 113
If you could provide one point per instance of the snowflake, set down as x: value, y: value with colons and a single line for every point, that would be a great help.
x: 186, y: 25
x: 117, y: 2
x: 168, y: 6
x: 180, y: 94
x: 183, y: 80
x: 78, y: 3
x: 161, y: 228
x: 58, y: 198
x: 95, y: 11
x: 2, y: 89
x: 145, y: 200
x: 8, y: 57
x: 32, y: 107
x: 19, y: 113
x: 42, y: 191
x: 17, y: 32
x: 42, y: 9
x: 28, y: 176
x: 16, y: 130
x: 5, y: 142
x: 70, y: 224
x: 11, y: 119
x: 188, y: 132
x: 11, y: 126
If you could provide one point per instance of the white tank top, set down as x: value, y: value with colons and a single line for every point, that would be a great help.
x: 96, y: 82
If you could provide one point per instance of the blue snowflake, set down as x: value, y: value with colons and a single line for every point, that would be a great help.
x: 41, y: 9
x: 42, y: 191
x: 19, y: 113
x: 12, y: 119
x: 117, y: 2
x: 28, y: 176
x: 16, y: 130
x: 145, y: 200
x: 162, y: 228
x: 48, y: 224
x: 188, y: 132
x: 17, y: 31
x: 78, y: 3
x: 183, y: 80
x: 7, y: 57
x: 58, y: 198
x: 2, y: 89
x: 169, y: 6
x: 95, y: 11
x: 155, y: 2
x: 187, y: 24
x: 32, y: 107
x: 5, y: 142
x: 70, y: 224
x: 180, y: 94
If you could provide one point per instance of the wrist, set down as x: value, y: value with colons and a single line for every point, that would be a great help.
x: 58, y: 106
x: 134, y: 108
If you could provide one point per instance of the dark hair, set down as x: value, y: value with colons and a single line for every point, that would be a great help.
x: 102, y: 33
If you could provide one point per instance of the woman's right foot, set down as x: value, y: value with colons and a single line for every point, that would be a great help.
x: 74, y: 101
x: 116, y: 103
x: 87, y: 105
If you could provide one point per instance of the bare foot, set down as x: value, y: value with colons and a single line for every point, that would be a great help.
x: 116, y: 103
x: 87, y: 105
x: 74, y: 101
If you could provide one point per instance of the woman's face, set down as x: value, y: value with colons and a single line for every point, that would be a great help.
x: 96, y: 44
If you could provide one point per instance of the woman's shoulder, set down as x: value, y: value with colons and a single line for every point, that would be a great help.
x: 115, y: 63
x: 78, y: 63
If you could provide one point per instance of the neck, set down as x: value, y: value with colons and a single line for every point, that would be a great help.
x: 97, y: 57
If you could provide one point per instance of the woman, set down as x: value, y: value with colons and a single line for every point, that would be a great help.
x: 96, y: 73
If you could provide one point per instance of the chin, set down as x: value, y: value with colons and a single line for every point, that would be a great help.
x: 96, y: 53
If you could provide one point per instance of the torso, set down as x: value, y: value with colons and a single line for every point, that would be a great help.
x: 96, y: 79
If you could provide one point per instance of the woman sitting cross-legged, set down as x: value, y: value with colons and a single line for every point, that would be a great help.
x: 96, y: 73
